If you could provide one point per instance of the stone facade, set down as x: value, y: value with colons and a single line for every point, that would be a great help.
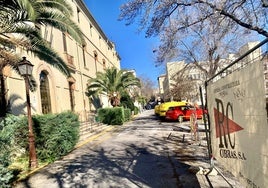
x: 55, y: 93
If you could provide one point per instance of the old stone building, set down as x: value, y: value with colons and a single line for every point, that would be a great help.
x: 55, y: 93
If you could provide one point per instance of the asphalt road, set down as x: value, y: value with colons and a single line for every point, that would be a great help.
x: 142, y: 153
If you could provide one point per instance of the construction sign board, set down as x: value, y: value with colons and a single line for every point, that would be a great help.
x: 238, y: 122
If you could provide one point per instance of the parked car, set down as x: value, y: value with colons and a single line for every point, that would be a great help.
x: 157, y: 110
x: 177, y: 113
x: 163, y: 108
x: 150, y: 105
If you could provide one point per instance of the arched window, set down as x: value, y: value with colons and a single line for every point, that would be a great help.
x: 45, y: 93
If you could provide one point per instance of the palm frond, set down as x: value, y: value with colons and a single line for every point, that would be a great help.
x: 17, y: 27
x: 58, y: 20
x: 111, y: 81
x: 26, y: 9
x: 48, y: 55
x: 8, y: 58
x: 60, y: 5
x: 30, y: 39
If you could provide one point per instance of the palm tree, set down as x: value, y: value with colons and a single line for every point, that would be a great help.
x: 112, y: 83
x: 18, y: 28
x: 18, y: 21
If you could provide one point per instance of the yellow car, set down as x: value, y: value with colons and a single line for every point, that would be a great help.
x: 156, y: 110
x: 163, y: 108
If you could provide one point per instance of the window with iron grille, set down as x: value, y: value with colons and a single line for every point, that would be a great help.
x: 45, y: 93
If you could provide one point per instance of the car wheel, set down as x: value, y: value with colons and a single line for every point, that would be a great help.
x: 180, y: 118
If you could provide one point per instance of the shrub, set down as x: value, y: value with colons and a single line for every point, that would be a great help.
x: 111, y: 116
x: 117, y: 116
x: 8, y: 148
x: 56, y: 135
x: 127, y: 114
x: 136, y: 110
x: 126, y: 101
x: 103, y: 115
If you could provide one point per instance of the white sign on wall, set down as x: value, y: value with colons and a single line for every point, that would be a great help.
x: 239, y: 129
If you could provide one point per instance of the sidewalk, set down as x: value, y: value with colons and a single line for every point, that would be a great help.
x: 195, y: 154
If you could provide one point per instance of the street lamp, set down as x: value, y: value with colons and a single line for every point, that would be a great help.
x: 25, y: 68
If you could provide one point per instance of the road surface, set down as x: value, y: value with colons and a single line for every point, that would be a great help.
x: 145, y: 152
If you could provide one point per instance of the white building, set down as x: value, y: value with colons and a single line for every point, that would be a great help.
x: 193, y: 73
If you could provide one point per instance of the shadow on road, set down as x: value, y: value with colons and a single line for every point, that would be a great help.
x: 136, y: 167
x: 152, y: 164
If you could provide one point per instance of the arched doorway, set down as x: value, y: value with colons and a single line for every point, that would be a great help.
x: 45, y: 93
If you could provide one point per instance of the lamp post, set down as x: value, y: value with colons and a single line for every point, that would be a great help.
x: 25, y: 68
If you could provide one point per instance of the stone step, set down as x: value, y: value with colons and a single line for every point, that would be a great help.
x: 86, y: 126
x: 88, y: 129
x: 92, y: 128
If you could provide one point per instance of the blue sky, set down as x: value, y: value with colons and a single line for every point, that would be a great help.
x: 134, y: 49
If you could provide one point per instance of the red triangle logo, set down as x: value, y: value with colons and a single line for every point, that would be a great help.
x: 231, y: 127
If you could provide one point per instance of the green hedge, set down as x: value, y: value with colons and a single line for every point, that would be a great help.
x: 8, y: 127
x: 136, y: 110
x: 127, y: 113
x: 114, y: 116
x: 55, y: 136
x: 126, y: 101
